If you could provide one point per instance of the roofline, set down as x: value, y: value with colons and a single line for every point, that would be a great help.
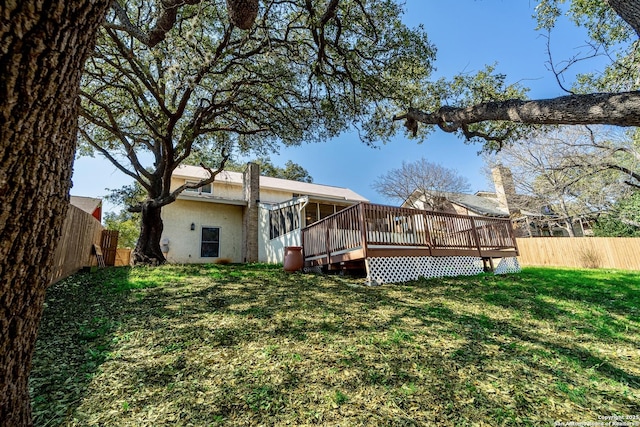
x: 263, y: 186
x: 211, y: 199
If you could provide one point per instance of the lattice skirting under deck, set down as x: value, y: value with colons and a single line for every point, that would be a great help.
x: 402, y: 269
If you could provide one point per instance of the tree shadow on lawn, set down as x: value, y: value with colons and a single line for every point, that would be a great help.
x: 75, y: 337
x: 616, y: 292
x: 403, y: 346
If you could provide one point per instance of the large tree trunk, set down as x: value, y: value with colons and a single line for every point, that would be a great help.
x: 147, y: 249
x: 629, y: 11
x: 43, y: 46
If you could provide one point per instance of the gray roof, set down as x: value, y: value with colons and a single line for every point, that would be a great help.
x: 488, y: 206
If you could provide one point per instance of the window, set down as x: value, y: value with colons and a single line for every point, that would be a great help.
x: 204, y: 189
x: 326, y: 210
x: 283, y: 221
x: 210, y: 244
x: 317, y: 211
x: 311, y: 212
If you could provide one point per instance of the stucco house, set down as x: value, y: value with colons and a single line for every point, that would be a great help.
x: 244, y: 217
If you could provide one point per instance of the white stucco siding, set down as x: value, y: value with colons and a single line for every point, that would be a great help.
x: 185, y: 244
x: 220, y: 189
x: 274, y: 196
x: 272, y: 250
x: 227, y: 191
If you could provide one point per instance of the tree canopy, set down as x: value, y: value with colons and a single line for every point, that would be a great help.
x: 622, y: 220
x: 576, y: 171
x: 484, y: 108
x: 304, y: 71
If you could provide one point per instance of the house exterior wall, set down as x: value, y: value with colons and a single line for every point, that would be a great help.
x: 184, y: 244
x: 274, y: 196
x: 272, y: 250
x: 227, y: 206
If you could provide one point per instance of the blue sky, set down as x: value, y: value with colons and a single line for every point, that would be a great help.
x: 468, y: 34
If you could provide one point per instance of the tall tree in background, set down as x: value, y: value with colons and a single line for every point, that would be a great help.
x: 291, y: 171
x: 577, y: 171
x: 621, y: 220
x: 420, y: 184
x: 305, y: 71
x: 42, y: 54
x: 485, y: 109
x: 127, y: 224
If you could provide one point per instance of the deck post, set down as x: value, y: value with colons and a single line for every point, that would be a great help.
x: 304, y: 257
x: 326, y: 243
x: 427, y: 233
x: 363, y: 229
x: 513, y: 236
x: 476, y: 238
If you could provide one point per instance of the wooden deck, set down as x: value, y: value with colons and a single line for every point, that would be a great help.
x: 368, y: 230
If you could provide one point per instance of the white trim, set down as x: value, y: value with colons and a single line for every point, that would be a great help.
x: 211, y: 199
x: 275, y: 206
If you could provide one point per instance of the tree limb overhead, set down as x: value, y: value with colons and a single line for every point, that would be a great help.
x: 620, y: 109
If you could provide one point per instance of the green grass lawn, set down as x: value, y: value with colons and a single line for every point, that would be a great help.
x: 253, y: 345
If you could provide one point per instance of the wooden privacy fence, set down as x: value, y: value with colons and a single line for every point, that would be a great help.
x: 123, y: 257
x: 580, y: 252
x: 79, y: 232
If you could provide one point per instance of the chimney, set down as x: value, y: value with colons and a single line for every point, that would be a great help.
x: 251, y: 194
x: 505, y: 188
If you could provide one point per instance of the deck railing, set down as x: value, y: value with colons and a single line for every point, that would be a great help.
x: 366, y: 229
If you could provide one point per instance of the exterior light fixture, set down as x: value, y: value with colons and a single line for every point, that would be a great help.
x: 193, y: 226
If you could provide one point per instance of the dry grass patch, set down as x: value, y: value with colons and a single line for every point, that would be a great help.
x: 252, y: 345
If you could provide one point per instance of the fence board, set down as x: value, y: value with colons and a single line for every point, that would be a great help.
x: 123, y: 257
x: 80, y: 232
x: 109, y: 245
x: 580, y: 252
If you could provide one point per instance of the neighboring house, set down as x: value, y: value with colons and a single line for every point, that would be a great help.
x: 530, y: 216
x: 243, y: 217
x: 90, y: 205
